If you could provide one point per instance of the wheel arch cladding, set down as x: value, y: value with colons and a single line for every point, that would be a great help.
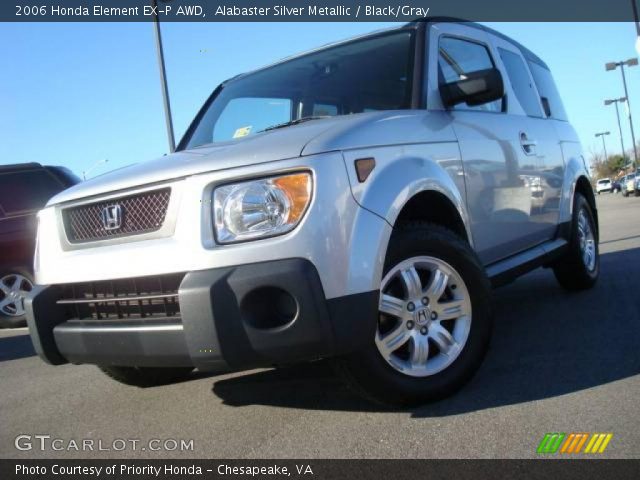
x: 414, y: 175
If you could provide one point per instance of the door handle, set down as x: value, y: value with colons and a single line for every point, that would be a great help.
x: 528, y: 144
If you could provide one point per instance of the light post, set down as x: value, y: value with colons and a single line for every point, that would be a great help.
x: 604, y: 146
x: 615, y: 101
x: 636, y: 20
x: 632, y: 62
x: 99, y: 162
x: 163, y: 78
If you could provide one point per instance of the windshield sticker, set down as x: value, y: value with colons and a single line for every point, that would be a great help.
x: 242, y: 132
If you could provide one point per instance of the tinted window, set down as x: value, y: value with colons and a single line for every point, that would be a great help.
x: 521, y: 82
x: 374, y: 73
x: 21, y: 192
x: 457, y: 58
x: 547, y: 88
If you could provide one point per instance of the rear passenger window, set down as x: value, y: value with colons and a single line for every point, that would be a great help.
x: 521, y: 82
x: 457, y: 58
x: 548, y: 91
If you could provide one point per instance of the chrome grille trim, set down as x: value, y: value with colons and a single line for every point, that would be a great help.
x: 143, y: 212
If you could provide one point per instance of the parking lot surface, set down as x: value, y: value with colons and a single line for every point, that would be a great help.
x: 559, y: 362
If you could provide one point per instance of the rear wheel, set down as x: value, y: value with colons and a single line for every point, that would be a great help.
x: 15, y: 285
x: 146, y: 376
x: 579, y: 267
x: 434, y: 320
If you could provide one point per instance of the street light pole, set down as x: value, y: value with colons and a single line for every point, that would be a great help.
x: 604, y: 146
x: 632, y: 62
x: 163, y: 78
x: 615, y: 102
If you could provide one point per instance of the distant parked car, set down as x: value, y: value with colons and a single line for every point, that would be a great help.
x: 603, y: 185
x: 629, y: 185
x: 616, y: 186
x: 24, y: 189
x: 635, y: 186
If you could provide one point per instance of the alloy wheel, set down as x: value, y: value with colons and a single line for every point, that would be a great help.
x: 13, y: 291
x: 425, y: 316
x: 587, y: 241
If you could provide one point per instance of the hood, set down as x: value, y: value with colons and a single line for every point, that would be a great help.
x: 313, y: 137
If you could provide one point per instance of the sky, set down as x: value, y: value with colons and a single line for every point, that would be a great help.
x: 74, y: 94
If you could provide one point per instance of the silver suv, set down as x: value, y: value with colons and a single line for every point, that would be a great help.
x: 357, y: 202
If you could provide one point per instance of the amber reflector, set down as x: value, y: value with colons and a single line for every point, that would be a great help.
x: 364, y: 167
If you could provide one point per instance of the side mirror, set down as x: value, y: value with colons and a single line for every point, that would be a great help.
x: 476, y: 88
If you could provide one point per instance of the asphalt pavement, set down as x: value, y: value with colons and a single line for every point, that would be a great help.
x: 559, y: 362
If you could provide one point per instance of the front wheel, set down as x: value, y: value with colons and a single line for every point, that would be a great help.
x: 146, y: 376
x: 434, y: 321
x: 579, y: 267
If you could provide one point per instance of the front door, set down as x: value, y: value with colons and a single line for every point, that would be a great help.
x: 499, y: 145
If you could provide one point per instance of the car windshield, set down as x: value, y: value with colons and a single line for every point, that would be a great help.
x: 364, y: 75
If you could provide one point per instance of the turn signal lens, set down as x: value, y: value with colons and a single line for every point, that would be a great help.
x: 260, y: 208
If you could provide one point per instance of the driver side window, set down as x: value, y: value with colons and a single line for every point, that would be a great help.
x: 457, y: 58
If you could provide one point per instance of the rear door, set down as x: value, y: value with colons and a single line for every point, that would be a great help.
x: 542, y: 163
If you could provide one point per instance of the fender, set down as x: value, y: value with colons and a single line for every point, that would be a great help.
x: 574, y: 169
x: 403, y: 172
x: 399, y: 175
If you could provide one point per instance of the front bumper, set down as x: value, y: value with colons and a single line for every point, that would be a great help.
x: 240, y: 317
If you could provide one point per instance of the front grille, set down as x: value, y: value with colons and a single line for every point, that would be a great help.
x: 132, y: 298
x: 140, y: 213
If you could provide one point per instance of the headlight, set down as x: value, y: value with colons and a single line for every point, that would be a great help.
x: 260, y: 208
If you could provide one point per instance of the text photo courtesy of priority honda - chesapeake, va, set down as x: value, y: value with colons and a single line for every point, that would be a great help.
x: 319, y: 239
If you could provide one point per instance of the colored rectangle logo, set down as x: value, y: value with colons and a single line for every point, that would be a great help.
x: 574, y: 443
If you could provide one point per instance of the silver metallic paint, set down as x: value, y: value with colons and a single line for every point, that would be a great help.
x: 348, y: 225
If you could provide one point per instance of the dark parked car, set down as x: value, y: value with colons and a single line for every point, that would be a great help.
x: 24, y: 189
x: 616, y: 186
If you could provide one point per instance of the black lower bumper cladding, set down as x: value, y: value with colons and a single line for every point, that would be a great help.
x: 247, y: 316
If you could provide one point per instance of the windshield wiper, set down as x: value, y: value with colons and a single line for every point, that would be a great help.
x: 295, y: 122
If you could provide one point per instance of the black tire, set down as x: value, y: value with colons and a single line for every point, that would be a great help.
x: 570, y: 270
x: 625, y: 194
x: 637, y: 193
x: 368, y: 372
x: 146, y: 376
x: 13, y: 321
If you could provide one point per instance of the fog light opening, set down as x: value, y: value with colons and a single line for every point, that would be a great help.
x: 269, y: 307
